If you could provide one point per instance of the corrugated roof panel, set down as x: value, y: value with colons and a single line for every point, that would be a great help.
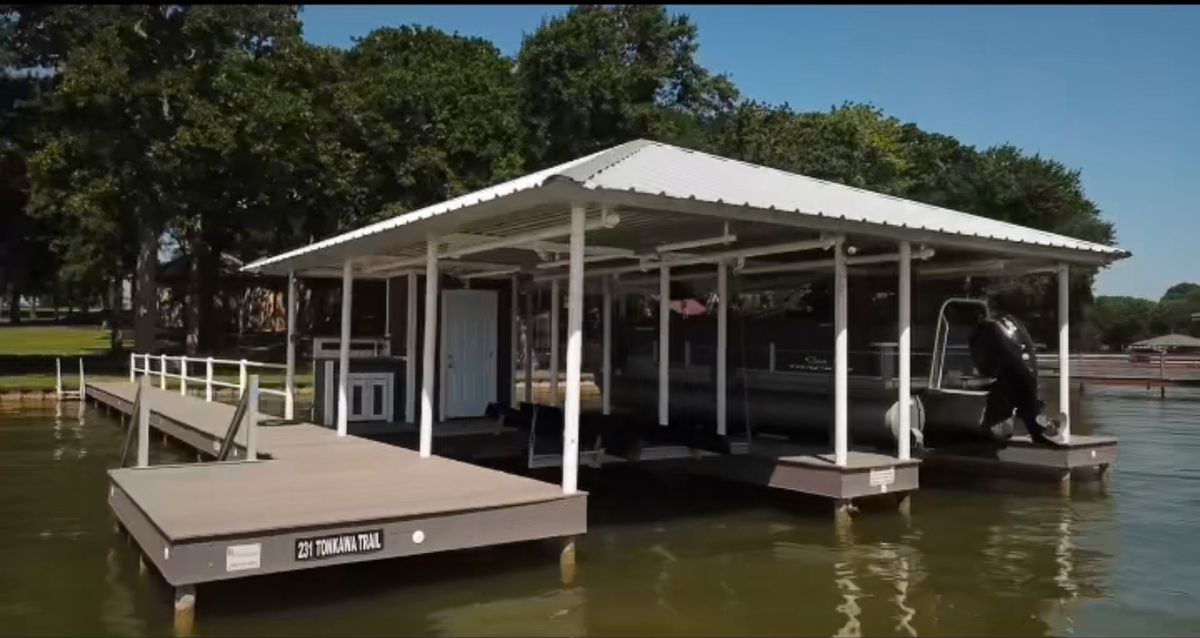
x: 661, y: 169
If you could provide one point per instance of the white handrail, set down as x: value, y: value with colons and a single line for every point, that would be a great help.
x: 181, y: 361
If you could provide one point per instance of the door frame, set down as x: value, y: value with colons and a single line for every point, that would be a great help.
x: 444, y: 319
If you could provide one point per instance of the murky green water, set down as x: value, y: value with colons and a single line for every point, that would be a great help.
x: 665, y: 555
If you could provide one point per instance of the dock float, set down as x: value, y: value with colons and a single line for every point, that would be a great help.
x: 794, y: 467
x: 319, y: 499
x: 1084, y: 456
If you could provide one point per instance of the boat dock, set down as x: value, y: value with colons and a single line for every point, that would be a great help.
x: 318, y: 499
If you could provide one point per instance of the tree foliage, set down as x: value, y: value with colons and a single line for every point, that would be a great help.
x: 603, y: 75
x: 432, y: 115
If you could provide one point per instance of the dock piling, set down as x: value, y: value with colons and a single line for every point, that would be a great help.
x: 566, y: 562
x: 143, y: 425
x: 185, y: 609
x: 252, y: 419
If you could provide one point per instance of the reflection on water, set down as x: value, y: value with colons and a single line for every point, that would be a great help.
x: 667, y: 554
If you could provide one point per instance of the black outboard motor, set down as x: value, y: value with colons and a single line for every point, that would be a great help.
x: 1002, y: 349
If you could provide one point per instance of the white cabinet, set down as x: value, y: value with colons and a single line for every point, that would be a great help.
x: 370, y: 395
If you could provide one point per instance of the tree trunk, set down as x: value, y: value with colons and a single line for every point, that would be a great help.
x: 206, y: 272
x: 191, y: 306
x: 114, y: 312
x: 146, y: 305
x: 14, y: 304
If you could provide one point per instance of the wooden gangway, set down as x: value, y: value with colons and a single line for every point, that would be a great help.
x: 316, y: 499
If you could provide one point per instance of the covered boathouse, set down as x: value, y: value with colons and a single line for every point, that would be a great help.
x: 635, y: 223
x: 631, y: 224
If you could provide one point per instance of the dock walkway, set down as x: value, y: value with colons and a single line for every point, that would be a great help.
x: 319, y: 499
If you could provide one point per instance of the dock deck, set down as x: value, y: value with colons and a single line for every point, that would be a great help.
x: 319, y: 499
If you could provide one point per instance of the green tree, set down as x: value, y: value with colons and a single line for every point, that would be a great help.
x: 27, y: 261
x: 128, y: 81
x: 432, y: 116
x: 603, y: 75
x: 1120, y: 321
x: 1175, y: 310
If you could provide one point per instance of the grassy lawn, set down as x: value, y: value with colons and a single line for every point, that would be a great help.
x: 53, y: 340
x: 36, y: 382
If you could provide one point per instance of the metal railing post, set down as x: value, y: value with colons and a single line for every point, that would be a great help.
x: 58, y: 378
x: 132, y: 367
x: 183, y: 375
x: 241, y: 378
x: 252, y: 419
x: 771, y: 356
x: 162, y: 371
x: 208, y: 379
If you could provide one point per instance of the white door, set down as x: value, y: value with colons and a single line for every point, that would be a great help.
x: 468, y: 361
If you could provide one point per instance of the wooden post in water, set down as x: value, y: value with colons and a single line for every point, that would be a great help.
x: 142, y: 422
x: 566, y: 562
x: 251, y: 419
x: 185, y: 610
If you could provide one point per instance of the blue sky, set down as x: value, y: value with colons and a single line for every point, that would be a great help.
x: 1111, y: 91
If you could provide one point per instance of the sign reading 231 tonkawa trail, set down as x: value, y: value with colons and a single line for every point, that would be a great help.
x: 319, y: 547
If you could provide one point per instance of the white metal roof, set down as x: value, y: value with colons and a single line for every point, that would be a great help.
x: 671, y: 174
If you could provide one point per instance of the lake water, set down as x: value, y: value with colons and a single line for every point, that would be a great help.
x: 665, y: 554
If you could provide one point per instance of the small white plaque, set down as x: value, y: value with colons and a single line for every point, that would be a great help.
x: 418, y: 537
x: 242, y: 557
x: 882, y: 477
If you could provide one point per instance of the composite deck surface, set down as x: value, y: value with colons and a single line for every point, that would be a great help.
x: 314, y: 478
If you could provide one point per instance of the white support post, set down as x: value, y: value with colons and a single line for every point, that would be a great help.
x: 343, y: 397
x: 840, y: 434
x: 554, y: 308
x: 570, y: 460
x: 606, y: 347
x: 1064, y: 351
x: 429, y: 347
x: 529, y: 344
x: 58, y: 378
x: 142, y: 423
x: 132, y: 367
x: 289, y: 398
x: 387, y: 307
x: 514, y: 319
x: 903, y: 328
x: 664, y: 344
x: 162, y: 372
x: 208, y: 379
x: 410, y: 350
x: 81, y: 381
x: 183, y: 375
x: 722, y: 344
x: 242, y: 377
x: 251, y: 419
